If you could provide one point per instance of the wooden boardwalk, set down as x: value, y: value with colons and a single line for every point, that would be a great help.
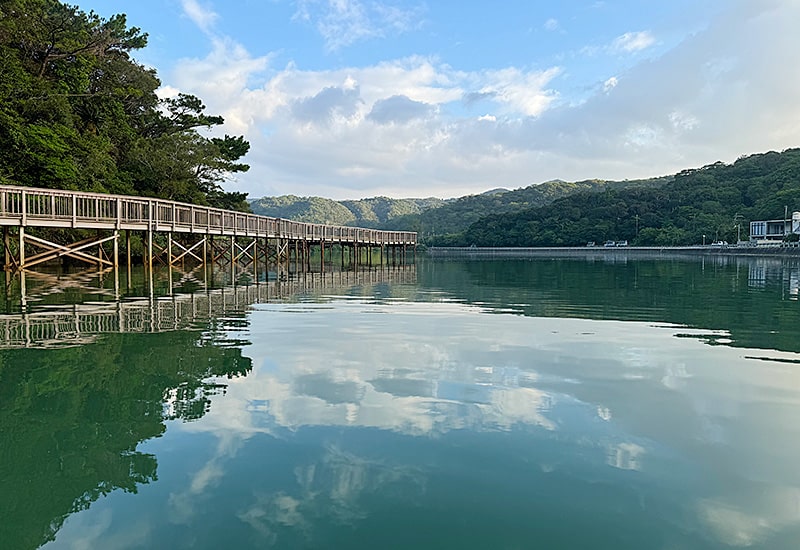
x: 23, y: 208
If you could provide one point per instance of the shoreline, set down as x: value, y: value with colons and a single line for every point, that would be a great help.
x: 601, y: 251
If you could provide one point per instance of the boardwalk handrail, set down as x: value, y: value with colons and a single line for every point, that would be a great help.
x: 37, y: 207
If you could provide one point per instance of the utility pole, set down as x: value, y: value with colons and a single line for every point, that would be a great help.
x: 785, y: 215
x: 738, y: 225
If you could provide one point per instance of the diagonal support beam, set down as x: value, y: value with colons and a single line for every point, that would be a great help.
x: 244, y: 252
x: 54, y: 250
x: 187, y: 251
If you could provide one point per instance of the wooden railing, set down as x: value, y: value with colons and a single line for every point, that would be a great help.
x: 33, y: 207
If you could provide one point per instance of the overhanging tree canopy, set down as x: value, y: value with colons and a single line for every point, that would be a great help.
x: 78, y: 112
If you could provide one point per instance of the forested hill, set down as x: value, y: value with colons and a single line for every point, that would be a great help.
x: 372, y: 212
x: 432, y: 218
x: 446, y: 224
x: 78, y: 112
x: 718, y: 201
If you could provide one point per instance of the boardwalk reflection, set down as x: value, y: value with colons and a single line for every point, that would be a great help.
x: 73, y: 416
x: 57, y: 325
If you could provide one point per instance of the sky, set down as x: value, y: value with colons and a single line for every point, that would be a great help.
x: 348, y: 99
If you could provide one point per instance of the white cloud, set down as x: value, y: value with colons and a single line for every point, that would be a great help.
x: 398, y: 109
x: 327, y: 106
x: 632, y: 42
x: 551, y: 24
x: 342, y: 23
x: 610, y: 84
x: 202, y: 16
x: 413, y: 126
x: 523, y: 92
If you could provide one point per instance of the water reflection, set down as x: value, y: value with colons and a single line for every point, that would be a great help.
x: 472, y: 405
x: 75, y: 308
x: 565, y: 395
x: 751, y: 299
x: 82, y: 386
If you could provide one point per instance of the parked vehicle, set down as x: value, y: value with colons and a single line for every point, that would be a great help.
x: 590, y: 243
x: 610, y: 243
x: 622, y: 243
x: 719, y: 243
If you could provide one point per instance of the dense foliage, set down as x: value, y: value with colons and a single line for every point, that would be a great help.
x: 371, y: 212
x: 717, y: 201
x: 446, y: 225
x: 437, y: 221
x: 77, y: 112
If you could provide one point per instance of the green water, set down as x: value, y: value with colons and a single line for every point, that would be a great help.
x: 544, y: 403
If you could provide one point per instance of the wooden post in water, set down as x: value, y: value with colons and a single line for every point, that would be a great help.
x: 150, y: 250
x: 21, y: 246
x: 128, y: 248
x: 7, y: 249
x: 116, y: 250
x: 255, y: 260
x: 169, y: 249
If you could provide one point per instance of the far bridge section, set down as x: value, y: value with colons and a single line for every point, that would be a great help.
x: 172, y: 232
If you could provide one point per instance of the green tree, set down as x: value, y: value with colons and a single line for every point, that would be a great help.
x: 77, y: 112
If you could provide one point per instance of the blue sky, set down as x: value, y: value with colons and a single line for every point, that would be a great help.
x: 359, y: 98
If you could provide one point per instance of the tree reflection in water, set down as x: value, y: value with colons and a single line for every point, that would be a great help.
x: 71, y: 420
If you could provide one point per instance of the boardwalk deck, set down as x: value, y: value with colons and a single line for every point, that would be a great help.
x: 24, y: 207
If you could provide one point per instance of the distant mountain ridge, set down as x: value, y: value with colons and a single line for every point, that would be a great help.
x: 711, y: 203
x: 432, y: 218
x: 371, y: 212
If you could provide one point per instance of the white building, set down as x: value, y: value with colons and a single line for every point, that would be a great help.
x: 774, y: 230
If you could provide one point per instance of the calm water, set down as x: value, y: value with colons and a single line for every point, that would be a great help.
x: 511, y: 404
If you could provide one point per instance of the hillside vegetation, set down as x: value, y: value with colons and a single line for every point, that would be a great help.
x: 373, y: 212
x: 718, y: 201
x: 446, y: 225
x: 436, y: 220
